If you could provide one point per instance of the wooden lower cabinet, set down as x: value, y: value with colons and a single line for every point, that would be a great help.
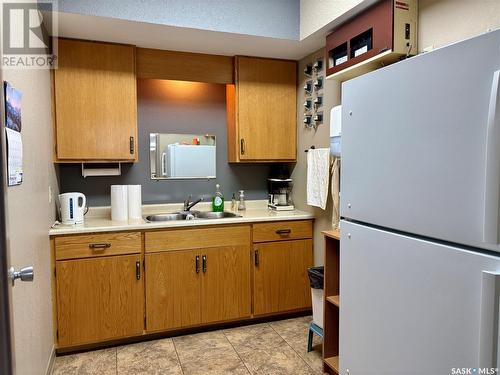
x: 280, y: 276
x: 225, y: 291
x: 99, y: 299
x: 191, y: 277
x: 172, y: 290
x: 182, y: 291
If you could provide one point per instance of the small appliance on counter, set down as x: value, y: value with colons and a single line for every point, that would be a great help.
x: 72, y: 207
x: 280, y: 194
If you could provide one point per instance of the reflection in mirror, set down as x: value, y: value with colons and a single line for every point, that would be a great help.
x: 181, y: 156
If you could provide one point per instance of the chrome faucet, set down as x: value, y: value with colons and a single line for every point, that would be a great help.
x: 188, y: 204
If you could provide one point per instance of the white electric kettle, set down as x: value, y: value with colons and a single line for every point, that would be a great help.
x: 73, y: 207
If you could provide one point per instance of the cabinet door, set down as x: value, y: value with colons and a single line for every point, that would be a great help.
x: 95, y: 102
x: 266, y: 109
x: 172, y: 290
x: 280, y: 276
x: 99, y: 299
x: 225, y: 283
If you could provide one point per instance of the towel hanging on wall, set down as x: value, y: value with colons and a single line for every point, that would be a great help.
x: 318, y: 176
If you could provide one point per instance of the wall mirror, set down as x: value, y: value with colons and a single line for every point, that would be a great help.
x: 182, y: 156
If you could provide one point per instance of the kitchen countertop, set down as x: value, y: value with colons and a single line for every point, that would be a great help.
x: 98, y: 219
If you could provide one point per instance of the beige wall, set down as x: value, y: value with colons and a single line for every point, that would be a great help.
x: 445, y: 21
x: 319, y: 138
x: 30, y: 216
x: 314, y: 14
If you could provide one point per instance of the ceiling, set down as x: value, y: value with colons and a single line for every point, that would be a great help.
x: 160, y: 36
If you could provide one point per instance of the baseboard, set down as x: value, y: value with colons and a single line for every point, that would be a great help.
x: 48, y: 371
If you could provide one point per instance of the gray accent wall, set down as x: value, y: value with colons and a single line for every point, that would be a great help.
x: 268, y: 18
x: 174, y: 107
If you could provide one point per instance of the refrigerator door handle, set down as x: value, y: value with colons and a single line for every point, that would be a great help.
x: 489, y: 344
x: 492, y: 171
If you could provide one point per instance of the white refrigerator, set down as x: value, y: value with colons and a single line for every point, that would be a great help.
x: 420, y: 202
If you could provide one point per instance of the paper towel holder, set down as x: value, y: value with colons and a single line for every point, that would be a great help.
x: 108, y: 169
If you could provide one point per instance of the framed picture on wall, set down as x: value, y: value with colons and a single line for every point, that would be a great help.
x: 13, y: 126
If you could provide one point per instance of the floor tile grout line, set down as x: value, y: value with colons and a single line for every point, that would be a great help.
x: 238, y: 354
x: 177, y: 355
x: 296, y: 352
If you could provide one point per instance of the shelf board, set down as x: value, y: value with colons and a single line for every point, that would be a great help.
x: 333, y: 363
x: 334, y: 299
x: 373, y: 63
x: 334, y: 233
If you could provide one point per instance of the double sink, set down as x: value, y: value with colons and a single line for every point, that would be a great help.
x: 190, y: 215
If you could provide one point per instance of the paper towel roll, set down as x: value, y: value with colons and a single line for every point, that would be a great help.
x: 134, y: 202
x: 119, y: 202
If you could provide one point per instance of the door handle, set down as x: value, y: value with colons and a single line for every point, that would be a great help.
x: 282, y: 232
x: 242, y: 146
x: 492, y: 169
x: 204, y: 263
x: 256, y: 257
x: 99, y: 246
x: 138, y: 270
x: 131, y: 145
x: 24, y: 274
x: 197, y: 264
x: 489, y: 338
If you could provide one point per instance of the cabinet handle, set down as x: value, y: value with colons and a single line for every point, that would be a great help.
x: 138, y: 270
x: 197, y: 264
x: 204, y: 263
x: 256, y: 258
x: 242, y: 146
x: 282, y: 232
x: 131, y: 145
x: 99, y: 246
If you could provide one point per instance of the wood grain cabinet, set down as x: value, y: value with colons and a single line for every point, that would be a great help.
x: 261, y: 111
x: 98, y: 297
x: 95, y: 102
x: 197, y: 276
x: 280, y: 266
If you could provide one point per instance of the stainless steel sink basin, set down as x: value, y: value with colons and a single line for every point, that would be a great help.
x: 166, y: 217
x: 192, y: 215
x: 215, y: 215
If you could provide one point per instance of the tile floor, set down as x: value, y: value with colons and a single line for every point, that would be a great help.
x: 269, y: 348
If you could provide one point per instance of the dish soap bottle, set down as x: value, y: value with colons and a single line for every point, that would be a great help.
x: 241, y: 204
x: 218, y: 201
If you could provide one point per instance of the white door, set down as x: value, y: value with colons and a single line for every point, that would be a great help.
x: 415, y: 140
x: 413, y: 307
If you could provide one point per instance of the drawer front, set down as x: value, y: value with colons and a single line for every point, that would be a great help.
x: 197, y: 238
x: 282, y: 231
x: 96, y: 245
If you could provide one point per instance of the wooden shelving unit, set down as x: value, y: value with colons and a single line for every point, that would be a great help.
x: 334, y: 299
x: 332, y: 302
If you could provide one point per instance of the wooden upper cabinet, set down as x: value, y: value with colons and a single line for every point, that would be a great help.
x: 261, y: 111
x: 95, y: 102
